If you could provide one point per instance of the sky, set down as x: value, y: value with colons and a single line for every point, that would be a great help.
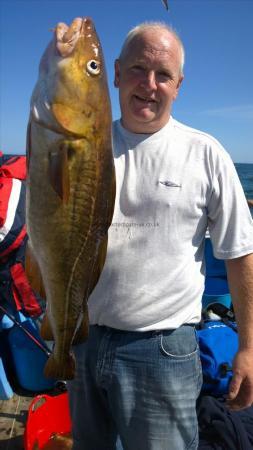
x: 217, y: 92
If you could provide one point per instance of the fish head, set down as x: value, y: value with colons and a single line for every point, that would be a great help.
x: 72, y: 93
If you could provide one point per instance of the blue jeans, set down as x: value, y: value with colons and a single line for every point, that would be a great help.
x: 136, y: 390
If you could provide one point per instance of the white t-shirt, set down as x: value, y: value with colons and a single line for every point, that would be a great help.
x: 171, y: 185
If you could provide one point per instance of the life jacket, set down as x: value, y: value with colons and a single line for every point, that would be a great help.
x: 15, y: 289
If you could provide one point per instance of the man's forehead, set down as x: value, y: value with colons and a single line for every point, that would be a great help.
x: 149, y: 53
x: 154, y: 38
x: 148, y: 56
x: 150, y: 43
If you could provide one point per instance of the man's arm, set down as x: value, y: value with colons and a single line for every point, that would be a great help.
x: 240, y: 279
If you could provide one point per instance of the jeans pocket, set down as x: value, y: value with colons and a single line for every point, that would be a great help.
x: 180, y: 343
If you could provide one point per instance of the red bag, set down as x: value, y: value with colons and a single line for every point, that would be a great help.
x: 14, y: 285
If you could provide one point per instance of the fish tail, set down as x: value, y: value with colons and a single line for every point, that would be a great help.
x: 63, y: 369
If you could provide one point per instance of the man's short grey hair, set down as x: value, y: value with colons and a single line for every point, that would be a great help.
x: 152, y: 26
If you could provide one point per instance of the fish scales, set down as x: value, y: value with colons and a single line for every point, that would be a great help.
x: 70, y: 184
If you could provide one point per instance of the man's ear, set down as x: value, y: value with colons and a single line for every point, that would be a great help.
x: 178, y: 86
x: 116, y: 73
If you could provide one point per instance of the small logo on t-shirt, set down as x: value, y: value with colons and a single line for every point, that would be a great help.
x: 169, y: 183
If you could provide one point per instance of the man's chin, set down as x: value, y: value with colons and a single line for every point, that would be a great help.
x: 144, y: 115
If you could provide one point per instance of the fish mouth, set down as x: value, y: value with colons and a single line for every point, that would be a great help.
x: 87, y: 25
x: 67, y: 36
x: 79, y: 26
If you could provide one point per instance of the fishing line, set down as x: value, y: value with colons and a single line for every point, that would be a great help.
x: 30, y: 335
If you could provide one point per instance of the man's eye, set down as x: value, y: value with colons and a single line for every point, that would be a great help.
x: 164, y: 75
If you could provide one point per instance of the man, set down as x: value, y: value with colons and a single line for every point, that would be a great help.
x: 139, y: 374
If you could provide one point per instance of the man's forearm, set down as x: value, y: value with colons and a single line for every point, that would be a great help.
x: 240, y: 279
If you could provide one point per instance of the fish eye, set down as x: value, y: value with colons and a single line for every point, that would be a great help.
x: 93, y: 67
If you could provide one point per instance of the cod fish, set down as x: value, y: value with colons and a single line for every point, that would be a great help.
x: 70, y: 184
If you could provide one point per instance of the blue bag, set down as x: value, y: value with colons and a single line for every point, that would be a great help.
x: 218, y: 343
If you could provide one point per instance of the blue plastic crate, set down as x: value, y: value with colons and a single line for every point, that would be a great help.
x: 29, y: 360
x: 6, y: 391
x: 214, y: 267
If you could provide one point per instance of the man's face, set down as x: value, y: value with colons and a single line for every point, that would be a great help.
x: 148, y: 79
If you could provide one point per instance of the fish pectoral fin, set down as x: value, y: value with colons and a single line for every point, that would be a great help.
x: 82, y: 332
x: 59, y: 171
x: 33, y: 272
x: 70, y: 119
x: 46, y: 329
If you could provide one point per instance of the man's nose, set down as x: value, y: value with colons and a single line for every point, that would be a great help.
x: 149, y: 80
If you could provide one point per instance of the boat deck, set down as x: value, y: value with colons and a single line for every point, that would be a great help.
x: 13, y: 415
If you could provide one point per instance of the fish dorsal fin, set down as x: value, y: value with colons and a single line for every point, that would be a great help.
x: 82, y: 332
x: 112, y: 198
x: 70, y: 120
x: 59, y: 171
x: 99, y: 264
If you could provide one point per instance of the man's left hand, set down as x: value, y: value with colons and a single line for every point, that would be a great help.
x: 241, y: 387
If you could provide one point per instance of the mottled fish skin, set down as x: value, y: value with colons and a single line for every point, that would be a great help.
x: 70, y: 184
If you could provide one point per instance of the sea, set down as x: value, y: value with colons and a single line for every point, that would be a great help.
x: 245, y: 172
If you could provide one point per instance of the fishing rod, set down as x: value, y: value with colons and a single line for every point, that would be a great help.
x: 30, y: 335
